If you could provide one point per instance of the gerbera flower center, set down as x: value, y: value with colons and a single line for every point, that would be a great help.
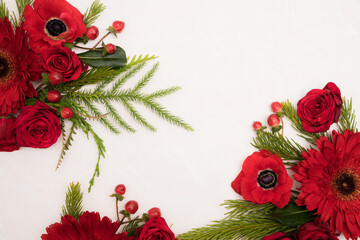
x: 55, y: 27
x: 346, y: 185
x: 267, y: 179
x: 7, y: 67
x: 4, y: 67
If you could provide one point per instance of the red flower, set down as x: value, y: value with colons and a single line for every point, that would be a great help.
x: 51, y: 23
x: 315, y: 231
x: 277, y: 236
x: 330, y: 182
x: 154, y: 229
x: 7, y: 135
x: 18, y: 67
x: 264, y: 179
x: 89, y: 226
x: 64, y: 61
x: 320, y: 108
x: 37, y: 126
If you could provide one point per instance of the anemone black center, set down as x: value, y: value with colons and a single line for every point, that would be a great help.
x: 55, y: 27
x: 267, y: 179
x: 4, y: 67
x: 345, y: 184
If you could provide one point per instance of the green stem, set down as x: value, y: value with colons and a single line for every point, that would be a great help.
x: 101, y: 40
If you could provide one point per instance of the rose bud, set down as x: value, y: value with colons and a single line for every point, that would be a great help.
x: 67, y: 113
x: 273, y: 120
x: 257, y: 125
x: 276, y: 107
x: 92, y: 32
x: 118, y: 26
x: 53, y: 96
x: 110, y: 48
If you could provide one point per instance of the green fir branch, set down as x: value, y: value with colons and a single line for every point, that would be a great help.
x: 73, y: 201
x: 163, y: 92
x: 117, y: 118
x: 123, y: 79
x: 279, y: 145
x: 145, y: 80
x: 93, y: 13
x: 347, y: 119
x: 244, y: 220
x: 66, y: 142
x: 20, y: 4
x: 135, y: 60
x: 4, y: 11
x: 136, y: 115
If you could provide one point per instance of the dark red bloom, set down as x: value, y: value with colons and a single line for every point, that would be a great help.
x: 315, y: 231
x: 37, y: 126
x: 264, y: 179
x: 330, y: 182
x: 7, y: 135
x: 64, y: 61
x: 320, y: 108
x: 155, y: 229
x: 277, y: 236
x: 51, y: 23
x: 89, y: 227
x: 18, y: 67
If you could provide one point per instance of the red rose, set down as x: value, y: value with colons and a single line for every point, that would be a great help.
x: 51, y: 23
x: 156, y: 228
x: 264, y: 179
x: 277, y: 236
x: 63, y: 60
x: 315, y: 231
x: 37, y: 126
x: 7, y: 135
x: 320, y: 108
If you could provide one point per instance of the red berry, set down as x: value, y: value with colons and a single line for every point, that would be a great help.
x: 53, y: 96
x: 67, y: 113
x: 55, y: 78
x: 110, y: 48
x: 92, y: 32
x: 257, y: 125
x: 273, y: 120
x: 131, y: 206
x: 276, y: 107
x: 154, y: 212
x: 118, y: 26
x: 120, y: 189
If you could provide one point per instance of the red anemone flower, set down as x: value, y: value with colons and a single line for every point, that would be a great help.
x: 18, y: 67
x: 51, y: 23
x: 89, y: 226
x: 330, y: 182
x: 264, y: 179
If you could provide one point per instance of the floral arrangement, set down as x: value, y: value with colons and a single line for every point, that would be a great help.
x: 319, y: 198
x: 77, y: 224
x: 46, y: 86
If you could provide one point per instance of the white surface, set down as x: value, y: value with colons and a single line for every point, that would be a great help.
x: 232, y: 59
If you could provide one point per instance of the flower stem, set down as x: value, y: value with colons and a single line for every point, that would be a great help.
x: 117, y: 210
x: 87, y: 48
x: 101, y: 40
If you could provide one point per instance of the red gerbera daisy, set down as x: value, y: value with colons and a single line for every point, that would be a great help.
x: 18, y: 66
x: 89, y: 226
x: 264, y: 179
x: 330, y: 182
x: 51, y: 23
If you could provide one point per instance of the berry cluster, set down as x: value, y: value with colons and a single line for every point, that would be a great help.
x: 273, y: 120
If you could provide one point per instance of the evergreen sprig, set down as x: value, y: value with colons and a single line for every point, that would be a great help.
x: 275, y: 143
x: 73, y: 201
x: 347, y: 119
x: 93, y: 13
x: 244, y: 220
x: 20, y: 4
x: 4, y: 11
x: 66, y: 141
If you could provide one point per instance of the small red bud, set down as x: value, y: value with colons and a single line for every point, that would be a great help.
x: 53, y: 96
x: 131, y: 206
x: 120, y: 189
x: 257, y: 125
x: 55, y: 78
x: 92, y: 32
x: 276, y: 107
x: 110, y: 48
x: 118, y: 26
x: 273, y: 120
x: 67, y: 113
x: 154, y: 212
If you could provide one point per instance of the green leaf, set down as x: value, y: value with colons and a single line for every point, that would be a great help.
x: 126, y: 214
x: 118, y: 196
x: 292, y: 215
x: 31, y: 101
x: 94, y: 58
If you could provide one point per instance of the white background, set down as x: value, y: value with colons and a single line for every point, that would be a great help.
x: 232, y: 59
